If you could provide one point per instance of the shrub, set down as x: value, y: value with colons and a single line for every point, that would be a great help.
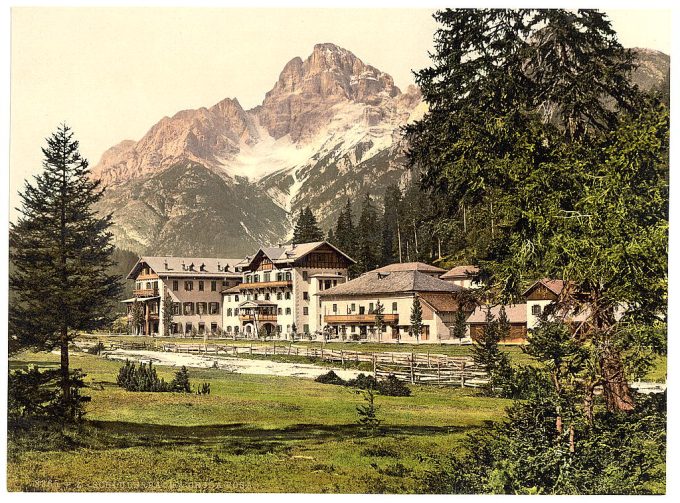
x: 331, y: 378
x: 180, y: 383
x: 142, y: 378
x: 203, y: 389
x: 393, y: 387
x: 363, y: 381
x: 368, y: 414
x: 96, y: 349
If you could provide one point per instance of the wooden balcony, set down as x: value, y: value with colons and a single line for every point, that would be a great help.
x: 260, y: 317
x: 265, y: 284
x: 340, y: 319
x: 145, y: 292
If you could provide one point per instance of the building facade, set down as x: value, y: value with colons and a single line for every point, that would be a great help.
x: 348, y: 311
x: 193, y: 287
x: 278, y: 294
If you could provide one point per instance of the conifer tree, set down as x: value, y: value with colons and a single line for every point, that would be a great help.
x: 344, y: 231
x: 168, y: 314
x: 390, y: 222
x: 307, y: 229
x: 368, y: 247
x: 61, y: 252
x: 379, y: 318
x: 416, y: 318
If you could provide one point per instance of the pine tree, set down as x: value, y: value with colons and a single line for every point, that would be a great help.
x: 307, y: 229
x: 180, y: 383
x: 416, y: 318
x: 459, y: 325
x: 61, y: 252
x: 344, y: 231
x: 136, y: 316
x: 168, y: 314
x: 390, y: 222
x: 368, y: 246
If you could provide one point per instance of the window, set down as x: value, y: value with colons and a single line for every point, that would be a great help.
x: 305, y: 296
x: 305, y: 328
x: 227, y: 298
x: 236, y: 311
x: 201, y: 327
x: 188, y: 286
x: 394, y: 307
x: 266, y: 296
x: 266, y: 277
x: 279, y: 329
x: 536, y: 310
x: 236, y: 329
x: 370, y: 307
x: 174, y: 328
x: 175, y: 285
x: 214, y: 308
x: 200, y: 286
x: 287, y: 295
x: 201, y: 308
x: 176, y: 308
x: 213, y: 327
x: 288, y: 310
x: 335, y: 308
x: 229, y: 312
x: 305, y: 311
x: 352, y: 307
x: 279, y: 296
x: 235, y: 298
x: 187, y: 329
x: 213, y: 286
x: 225, y: 282
x: 228, y: 329
x: 304, y: 275
x: 354, y: 328
x: 362, y: 310
x: 148, y: 285
x: 288, y: 276
x: 256, y: 278
x: 279, y: 311
x: 188, y: 308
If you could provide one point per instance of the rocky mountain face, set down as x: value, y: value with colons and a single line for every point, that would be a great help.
x: 224, y: 180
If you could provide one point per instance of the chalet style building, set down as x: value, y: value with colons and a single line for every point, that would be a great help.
x: 516, y: 314
x: 194, y: 286
x: 348, y: 311
x: 278, y: 294
x: 463, y: 275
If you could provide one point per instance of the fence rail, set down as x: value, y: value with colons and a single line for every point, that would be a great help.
x: 416, y: 368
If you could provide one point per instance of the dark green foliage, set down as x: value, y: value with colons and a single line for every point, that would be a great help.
x: 203, y: 389
x: 618, y: 454
x: 307, y: 229
x: 487, y: 353
x: 459, y: 325
x: 368, y: 414
x: 96, y: 349
x: 136, y: 317
x: 416, y: 327
x: 391, y: 386
x: 180, y: 383
x: 142, y: 378
x: 363, y: 381
x: 330, y: 377
x: 367, y: 252
x: 167, y: 313
x: 60, y: 250
x: 34, y: 394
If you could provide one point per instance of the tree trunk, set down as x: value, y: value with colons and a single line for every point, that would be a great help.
x: 65, y: 376
x: 617, y: 395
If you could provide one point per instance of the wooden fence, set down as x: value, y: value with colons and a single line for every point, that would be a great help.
x: 416, y: 368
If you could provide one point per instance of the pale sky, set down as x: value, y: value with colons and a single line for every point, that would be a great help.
x: 113, y: 73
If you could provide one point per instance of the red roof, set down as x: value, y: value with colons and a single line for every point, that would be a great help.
x: 462, y: 271
x: 554, y: 285
x: 516, y: 313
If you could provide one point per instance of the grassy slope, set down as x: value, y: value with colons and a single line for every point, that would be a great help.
x: 253, y: 433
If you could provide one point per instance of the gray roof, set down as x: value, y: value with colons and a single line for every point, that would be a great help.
x: 461, y: 272
x: 374, y: 282
x: 180, y: 266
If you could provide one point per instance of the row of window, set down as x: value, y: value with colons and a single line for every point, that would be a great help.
x: 267, y: 277
x: 189, y: 285
x: 261, y: 296
x: 362, y: 309
x: 139, y: 285
x: 176, y: 328
x: 235, y: 311
x: 189, y: 308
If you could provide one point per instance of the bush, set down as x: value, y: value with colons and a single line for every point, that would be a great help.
x: 331, y: 378
x: 363, y: 381
x: 96, y: 349
x: 393, y: 387
x: 180, y: 383
x: 203, y: 389
x: 32, y: 394
x: 142, y: 378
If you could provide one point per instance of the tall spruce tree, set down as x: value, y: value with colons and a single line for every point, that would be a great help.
x: 416, y: 320
x: 534, y: 127
x: 344, y: 231
x: 367, y: 253
x: 307, y: 229
x: 61, y: 252
x: 390, y: 221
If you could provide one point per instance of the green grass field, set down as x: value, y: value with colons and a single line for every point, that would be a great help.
x: 251, y: 434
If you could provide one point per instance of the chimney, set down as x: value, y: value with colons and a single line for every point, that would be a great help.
x: 191, y: 266
x: 202, y: 267
x: 165, y: 263
x: 184, y: 266
x: 219, y: 267
x: 226, y: 267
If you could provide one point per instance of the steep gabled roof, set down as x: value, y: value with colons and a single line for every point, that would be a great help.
x: 554, y: 285
x: 461, y: 272
x: 375, y: 282
x: 411, y: 266
x: 180, y: 266
x: 516, y: 313
x: 441, y: 302
x: 289, y: 252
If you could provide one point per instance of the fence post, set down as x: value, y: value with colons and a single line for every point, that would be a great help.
x: 439, y: 373
x: 375, y: 367
x: 274, y: 348
x: 342, y: 357
x: 297, y: 351
x: 413, y: 377
x: 251, y: 349
x: 428, y: 359
x: 321, y: 354
x: 462, y: 374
